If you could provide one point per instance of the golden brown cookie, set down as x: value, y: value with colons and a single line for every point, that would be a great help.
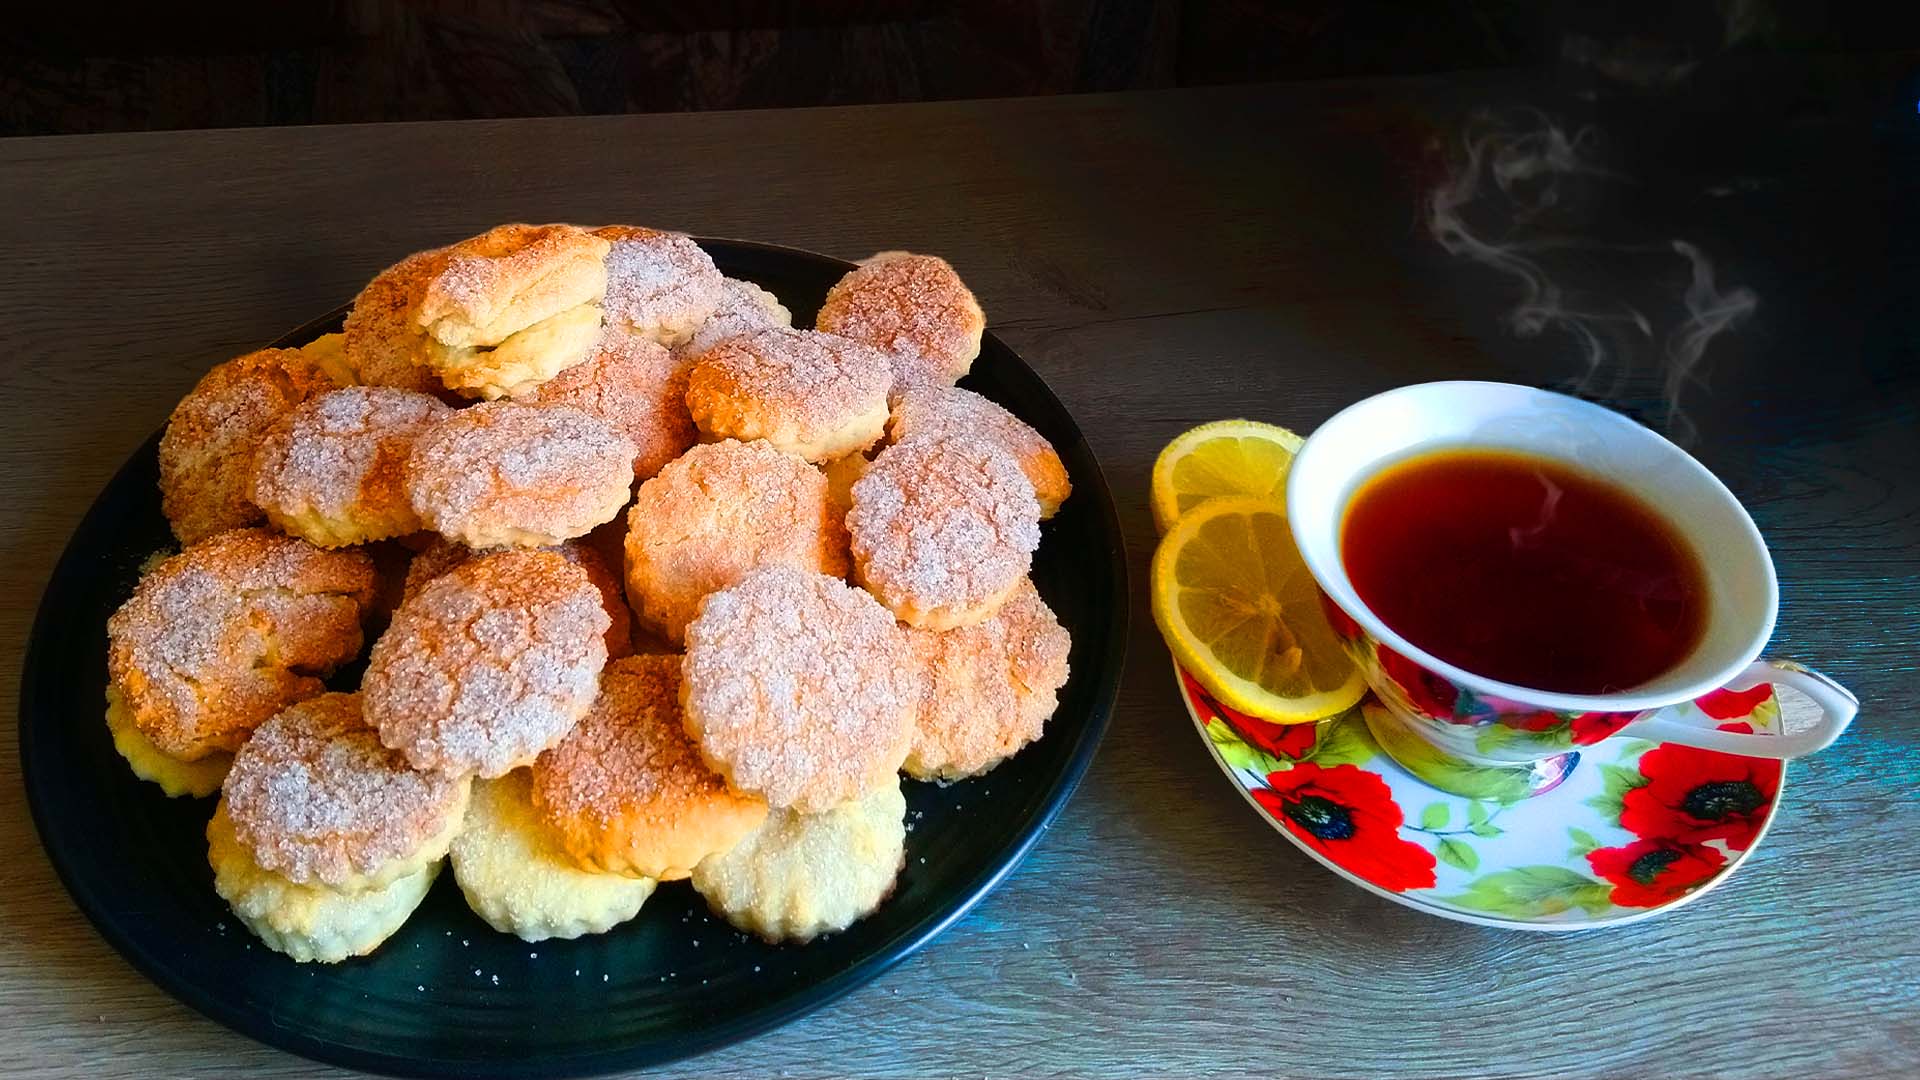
x: 943, y: 529
x: 332, y: 470
x: 799, y: 688
x: 230, y: 631
x: 810, y: 394
x: 841, y: 475
x: 379, y: 340
x: 314, y: 797
x: 660, y: 285
x: 504, y: 473
x: 626, y: 791
x: 989, y: 688
x: 638, y: 388
x: 940, y: 412
x: 206, y: 455
x: 488, y: 664
x: 719, y: 511
x: 914, y: 307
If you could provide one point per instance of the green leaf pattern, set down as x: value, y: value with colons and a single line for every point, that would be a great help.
x: 1530, y: 892
x: 1617, y: 780
x: 1458, y: 855
x: 1236, y: 752
x: 1346, y: 741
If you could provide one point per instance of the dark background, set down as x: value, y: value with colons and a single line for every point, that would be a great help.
x: 86, y: 66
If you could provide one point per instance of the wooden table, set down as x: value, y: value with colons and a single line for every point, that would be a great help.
x: 1163, y: 259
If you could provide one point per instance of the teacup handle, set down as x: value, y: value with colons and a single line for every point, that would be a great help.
x: 1837, y: 708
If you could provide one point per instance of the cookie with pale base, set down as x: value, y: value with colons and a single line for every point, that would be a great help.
x: 517, y: 878
x: 442, y: 555
x: 813, y: 395
x: 660, y: 285
x: 744, y: 308
x: 197, y: 779
x: 313, y: 922
x: 916, y: 308
x: 379, y: 341
x: 638, y: 388
x: 509, y: 474
x: 511, y: 308
x: 939, y: 412
x: 314, y: 797
x: 802, y: 875
x: 332, y: 470
x: 230, y: 631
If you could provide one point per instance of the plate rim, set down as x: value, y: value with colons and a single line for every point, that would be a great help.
x: 1426, y: 907
x: 1111, y: 662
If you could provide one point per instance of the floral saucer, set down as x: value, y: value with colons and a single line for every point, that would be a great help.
x: 1634, y: 828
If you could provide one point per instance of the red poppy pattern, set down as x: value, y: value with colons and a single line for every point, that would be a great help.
x: 1348, y: 815
x: 1734, y: 704
x: 1590, y: 728
x: 1692, y: 796
x: 1428, y: 693
x: 1686, y: 813
x: 1651, y: 872
x: 1289, y: 741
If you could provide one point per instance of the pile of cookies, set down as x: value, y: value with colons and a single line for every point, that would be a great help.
x: 641, y: 607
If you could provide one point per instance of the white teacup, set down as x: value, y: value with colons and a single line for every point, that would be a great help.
x: 1453, y: 709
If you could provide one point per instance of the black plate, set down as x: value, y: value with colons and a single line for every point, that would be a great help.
x: 447, y: 995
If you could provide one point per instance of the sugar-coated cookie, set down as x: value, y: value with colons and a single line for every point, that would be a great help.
x: 206, y: 454
x: 230, y: 631
x: 943, y: 529
x: 505, y: 473
x: 799, y: 688
x: 718, y: 511
x: 488, y: 664
x: 913, y: 306
x: 310, y: 923
x: 989, y: 689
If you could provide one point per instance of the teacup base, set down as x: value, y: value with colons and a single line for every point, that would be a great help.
x: 1474, y: 778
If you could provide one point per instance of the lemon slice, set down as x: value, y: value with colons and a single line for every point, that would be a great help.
x: 1226, y: 457
x: 1243, y: 616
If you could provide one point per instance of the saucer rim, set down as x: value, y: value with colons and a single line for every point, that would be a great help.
x: 1453, y: 914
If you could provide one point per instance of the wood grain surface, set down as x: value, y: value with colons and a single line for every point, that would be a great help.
x: 1162, y: 259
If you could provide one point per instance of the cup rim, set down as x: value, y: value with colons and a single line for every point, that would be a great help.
x: 1338, y: 587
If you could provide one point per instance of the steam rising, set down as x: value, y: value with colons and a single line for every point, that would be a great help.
x: 1709, y: 311
x: 1512, y: 203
